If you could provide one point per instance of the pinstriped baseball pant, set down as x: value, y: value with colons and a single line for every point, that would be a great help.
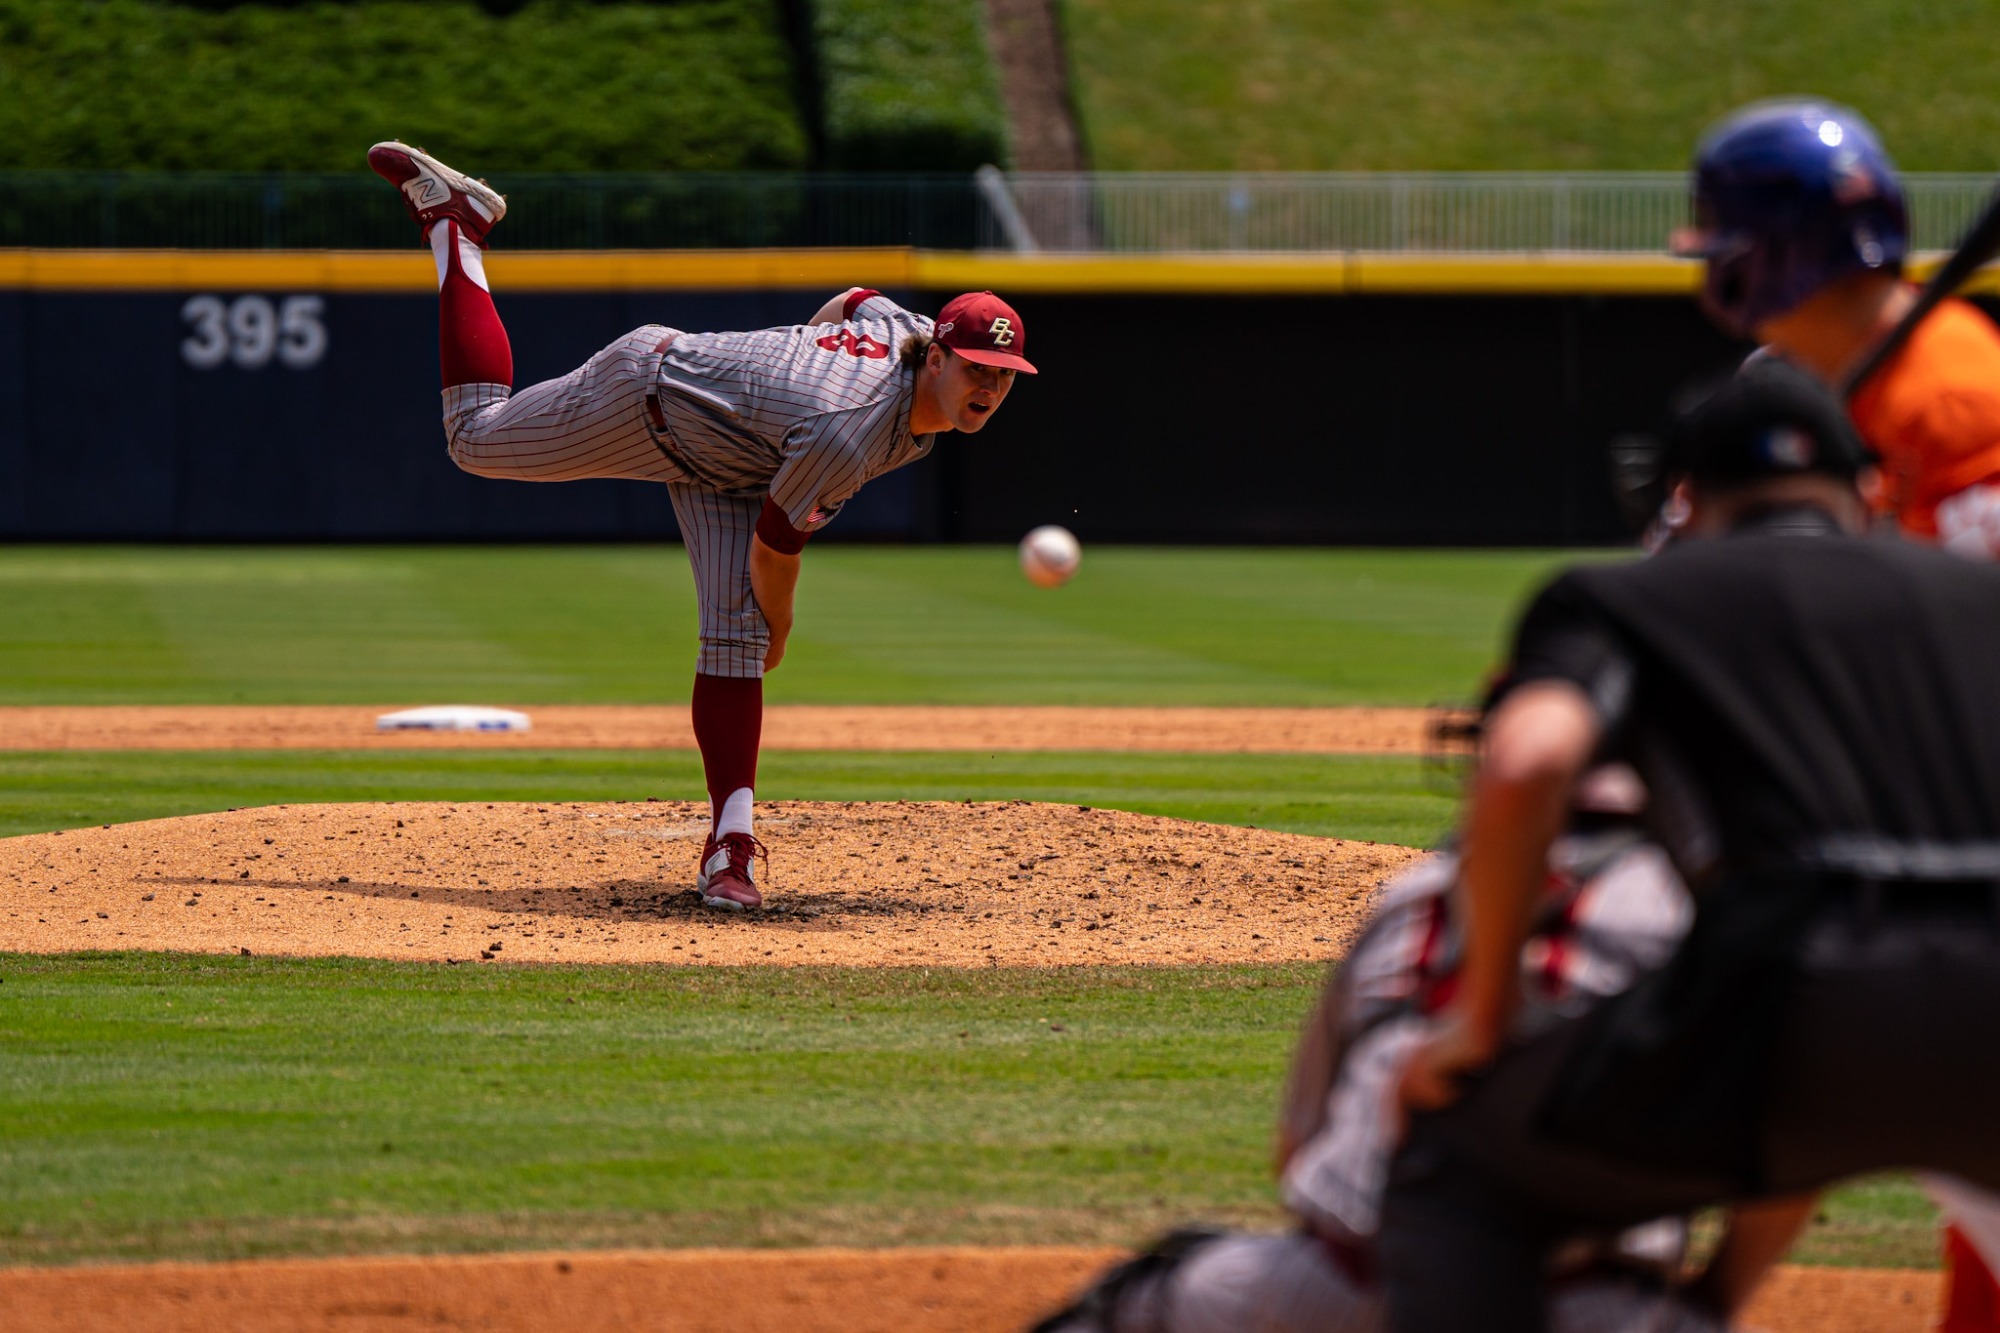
x: 592, y: 423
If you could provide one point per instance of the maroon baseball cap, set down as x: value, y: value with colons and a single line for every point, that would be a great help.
x: 981, y: 327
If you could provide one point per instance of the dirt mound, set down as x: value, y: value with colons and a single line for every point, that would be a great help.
x: 798, y: 1291
x: 904, y: 883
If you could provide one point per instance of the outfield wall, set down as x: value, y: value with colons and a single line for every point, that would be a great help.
x: 1327, y: 399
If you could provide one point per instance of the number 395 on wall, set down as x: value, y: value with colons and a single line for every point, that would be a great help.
x: 249, y: 331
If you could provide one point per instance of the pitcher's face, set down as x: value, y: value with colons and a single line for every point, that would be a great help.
x: 967, y: 393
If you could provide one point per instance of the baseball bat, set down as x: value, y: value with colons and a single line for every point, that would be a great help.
x: 1979, y: 244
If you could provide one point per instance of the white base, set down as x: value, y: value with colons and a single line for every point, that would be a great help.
x: 453, y: 717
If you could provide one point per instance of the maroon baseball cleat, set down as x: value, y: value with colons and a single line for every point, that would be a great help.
x: 728, y: 872
x: 432, y: 190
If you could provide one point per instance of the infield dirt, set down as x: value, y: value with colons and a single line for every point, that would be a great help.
x: 786, y: 727
x: 993, y: 1290
x: 857, y: 884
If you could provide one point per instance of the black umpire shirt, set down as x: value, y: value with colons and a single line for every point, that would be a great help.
x: 1817, y: 717
x: 1794, y: 695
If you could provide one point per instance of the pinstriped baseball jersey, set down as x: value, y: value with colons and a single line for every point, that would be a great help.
x: 809, y: 412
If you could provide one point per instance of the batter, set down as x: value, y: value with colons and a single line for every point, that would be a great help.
x: 760, y: 438
x: 1803, y: 233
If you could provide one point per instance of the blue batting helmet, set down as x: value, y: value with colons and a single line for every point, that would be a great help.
x: 1789, y: 196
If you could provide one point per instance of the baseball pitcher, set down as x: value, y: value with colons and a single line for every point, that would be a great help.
x: 759, y: 437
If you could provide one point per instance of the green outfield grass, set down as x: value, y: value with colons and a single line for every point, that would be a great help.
x: 875, y: 625
x: 158, y: 1106
x: 167, y: 1106
x: 163, y: 1106
x: 1578, y: 85
x: 1380, y: 799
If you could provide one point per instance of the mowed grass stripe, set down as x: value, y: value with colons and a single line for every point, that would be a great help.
x: 578, y: 624
x: 176, y: 1107
x: 173, y: 1106
x: 1375, y: 798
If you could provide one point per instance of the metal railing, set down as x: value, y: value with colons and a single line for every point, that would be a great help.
x: 1436, y: 212
x: 599, y: 211
x: 1433, y: 212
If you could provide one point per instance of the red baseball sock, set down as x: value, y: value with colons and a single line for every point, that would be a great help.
x: 472, y: 343
x: 1972, y: 1297
x: 728, y: 725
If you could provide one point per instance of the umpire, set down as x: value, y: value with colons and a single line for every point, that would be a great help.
x: 1817, y: 716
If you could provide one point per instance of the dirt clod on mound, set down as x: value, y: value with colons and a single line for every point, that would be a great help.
x: 883, y: 884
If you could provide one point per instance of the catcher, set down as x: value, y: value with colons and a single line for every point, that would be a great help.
x: 1613, y: 910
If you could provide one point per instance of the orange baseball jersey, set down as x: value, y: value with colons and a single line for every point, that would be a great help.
x: 1933, y: 413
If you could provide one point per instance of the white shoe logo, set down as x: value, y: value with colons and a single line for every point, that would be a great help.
x: 426, y: 190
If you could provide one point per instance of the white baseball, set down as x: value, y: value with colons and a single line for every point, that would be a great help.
x: 1049, y: 556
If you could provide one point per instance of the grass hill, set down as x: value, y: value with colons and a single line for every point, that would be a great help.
x: 1373, y: 85
x: 545, y: 85
x: 699, y: 84
x: 638, y: 85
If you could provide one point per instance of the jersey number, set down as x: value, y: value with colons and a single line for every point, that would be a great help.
x: 845, y: 341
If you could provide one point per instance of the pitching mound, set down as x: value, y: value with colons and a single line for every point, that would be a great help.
x: 922, y: 882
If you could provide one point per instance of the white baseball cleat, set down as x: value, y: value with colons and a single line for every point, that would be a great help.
x: 432, y: 190
x: 728, y: 872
